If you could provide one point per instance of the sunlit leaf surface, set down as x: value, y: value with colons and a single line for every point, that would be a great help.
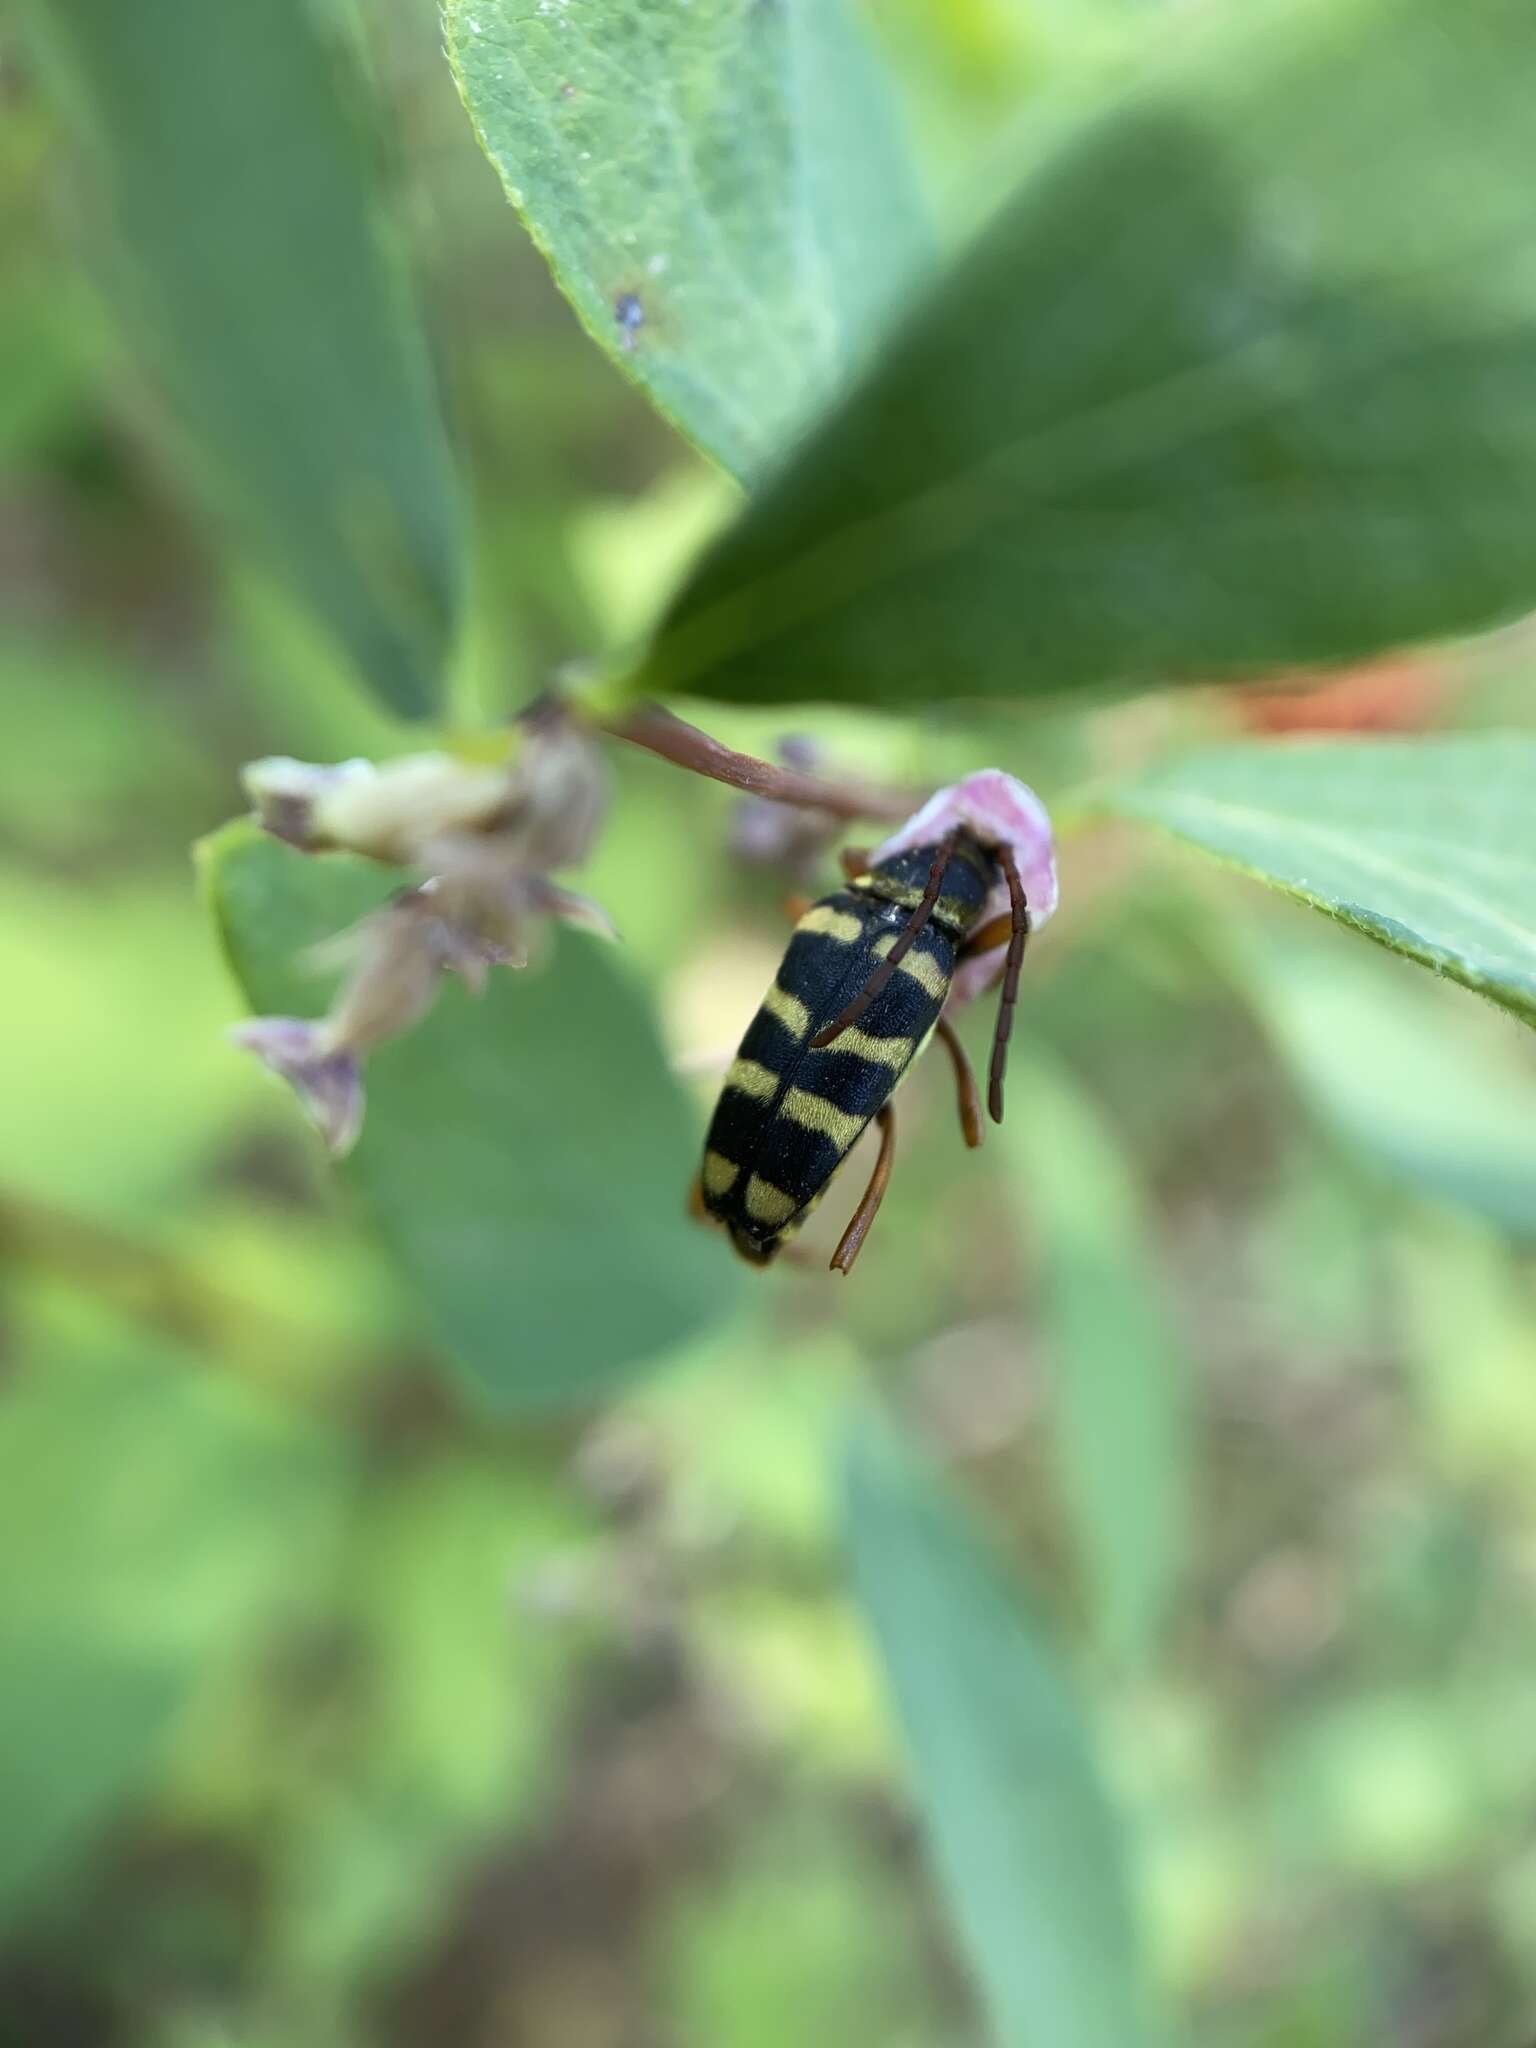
x: 1427, y: 845
x: 721, y: 188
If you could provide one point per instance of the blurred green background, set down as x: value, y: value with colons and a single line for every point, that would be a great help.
x: 333, y: 1712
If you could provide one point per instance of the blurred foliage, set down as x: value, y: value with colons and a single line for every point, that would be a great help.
x: 337, y: 1711
x: 240, y: 235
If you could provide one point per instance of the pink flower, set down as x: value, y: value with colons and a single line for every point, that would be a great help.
x: 1000, y: 811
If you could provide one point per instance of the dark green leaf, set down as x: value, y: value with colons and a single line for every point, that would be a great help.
x: 721, y: 188
x: 1240, y: 375
x: 1116, y: 1386
x: 1030, y: 1854
x: 525, y: 1158
x: 248, y: 258
x: 1428, y: 845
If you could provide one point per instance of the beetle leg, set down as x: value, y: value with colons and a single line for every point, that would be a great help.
x: 994, y: 932
x: 965, y: 1083
x: 1018, y: 937
x: 905, y: 940
x: 797, y: 905
x: 852, y: 1240
x: 854, y: 861
x: 696, y: 1208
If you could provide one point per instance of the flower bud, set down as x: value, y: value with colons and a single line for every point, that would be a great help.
x: 388, y: 813
x: 481, y: 839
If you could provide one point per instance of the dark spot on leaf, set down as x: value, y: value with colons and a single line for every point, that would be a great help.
x: 567, y: 90
x: 630, y: 315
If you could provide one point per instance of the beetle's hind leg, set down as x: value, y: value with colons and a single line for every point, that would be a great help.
x: 967, y: 1093
x: 851, y: 1242
x: 854, y: 861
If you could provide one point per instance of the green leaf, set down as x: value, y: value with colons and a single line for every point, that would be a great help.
x: 1240, y: 375
x: 1030, y: 1854
x: 1409, y: 1075
x: 162, y: 1517
x: 1426, y: 845
x: 525, y: 1158
x: 247, y: 256
x: 721, y: 188
x: 1117, y: 1375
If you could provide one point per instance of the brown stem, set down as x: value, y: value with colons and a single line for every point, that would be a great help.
x: 659, y: 731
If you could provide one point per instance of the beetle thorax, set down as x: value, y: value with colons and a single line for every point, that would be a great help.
x: 968, y: 881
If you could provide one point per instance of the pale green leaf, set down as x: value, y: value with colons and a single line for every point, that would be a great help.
x: 246, y: 253
x: 1030, y: 1854
x: 1427, y: 845
x: 721, y: 187
x: 1240, y: 375
x: 1116, y: 1390
x: 526, y: 1157
x: 1440, y: 1093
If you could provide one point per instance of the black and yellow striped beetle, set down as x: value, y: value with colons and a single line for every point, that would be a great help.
x: 943, y: 909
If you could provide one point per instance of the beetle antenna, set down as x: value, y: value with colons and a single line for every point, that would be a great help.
x: 903, y: 946
x: 1017, y: 939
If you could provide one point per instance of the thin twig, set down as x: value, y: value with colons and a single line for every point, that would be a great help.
x: 661, y: 732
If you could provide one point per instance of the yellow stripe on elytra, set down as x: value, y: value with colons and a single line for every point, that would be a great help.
x: 815, y: 1113
x: 885, y: 1052
x: 719, y: 1174
x: 927, y: 973
x: 922, y: 967
x: 751, y: 1077
x: 767, y: 1204
x: 825, y: 922
x: 789, y: 1010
